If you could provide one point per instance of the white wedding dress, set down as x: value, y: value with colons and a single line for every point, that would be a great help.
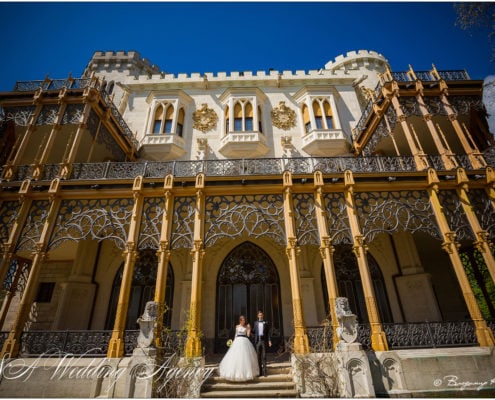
x: 240, y: 363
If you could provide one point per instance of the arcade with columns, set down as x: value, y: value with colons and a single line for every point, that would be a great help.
x: 218, y: 195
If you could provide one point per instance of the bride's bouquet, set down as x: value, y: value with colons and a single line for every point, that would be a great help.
x: 229, y: 342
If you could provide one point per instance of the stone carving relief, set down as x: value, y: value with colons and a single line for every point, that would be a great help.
x: 205, y: 119
x: 283, y: 117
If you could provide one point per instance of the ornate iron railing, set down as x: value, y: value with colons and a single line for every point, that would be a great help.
x: 85, y: 343
x: 406, y: 335
x: 411, y: 335
x: 430, y: 334
x: 51, y: 84
x: 238, y: 167
x: 403, y: 76
x: 452, y: 75
x: 79, y: 83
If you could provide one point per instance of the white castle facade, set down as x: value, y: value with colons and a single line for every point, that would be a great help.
x: 218, y: 194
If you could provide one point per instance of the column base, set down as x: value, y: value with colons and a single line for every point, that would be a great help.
x: 116, y: 346
x: 193, y: 347
x: 10, y: 347
x: 379, y: 340
x: 301, y: 344
x: 484, y: 334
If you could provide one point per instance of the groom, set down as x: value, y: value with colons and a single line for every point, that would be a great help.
x: 261, y: 330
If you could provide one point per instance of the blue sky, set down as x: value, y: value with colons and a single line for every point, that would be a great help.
x: 58, y: 38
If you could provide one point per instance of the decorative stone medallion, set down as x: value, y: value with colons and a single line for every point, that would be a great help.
x: 283, y: 117
x: 205, y: 119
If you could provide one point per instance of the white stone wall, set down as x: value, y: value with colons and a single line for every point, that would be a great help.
x: 340, y: 78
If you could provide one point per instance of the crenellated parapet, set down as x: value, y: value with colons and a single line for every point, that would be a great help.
x: 122, y: 61
x: 355, y: 60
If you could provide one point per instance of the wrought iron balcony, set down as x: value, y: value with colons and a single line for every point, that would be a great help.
x: 454, y: 75
x: 240, y: 167
x: 51, y: 84
x: 79, y: 83
x: 403, y: 76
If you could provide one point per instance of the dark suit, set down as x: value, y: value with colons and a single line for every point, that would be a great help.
x: 261, y: 339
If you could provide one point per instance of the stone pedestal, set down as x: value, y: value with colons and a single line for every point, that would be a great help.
x: 354, y: 371
x: 315, y: 375
x: 140, y: 373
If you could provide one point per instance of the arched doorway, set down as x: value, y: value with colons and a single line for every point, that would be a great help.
x: 247, y: 281
x: 350, y: 286
x: 142, y: 290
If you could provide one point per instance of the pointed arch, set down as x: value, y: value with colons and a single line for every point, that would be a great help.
x: 157, y: 120
x: 180, y: 122
x: 238, y: 116
x: 247, y: 281
x: 350, y: 286
x: 142, y: 290
x: 306, y: 119
x: 169, y: 118
x: 328, y: 115
x: 248, y: 116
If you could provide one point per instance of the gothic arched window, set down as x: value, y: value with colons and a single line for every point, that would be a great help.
x: 142, y: 290
x: 350, y: 286
x: 247, y: 282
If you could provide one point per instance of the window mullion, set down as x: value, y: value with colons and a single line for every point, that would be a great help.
x: 335, y: 115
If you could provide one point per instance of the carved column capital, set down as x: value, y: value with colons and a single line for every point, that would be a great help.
x: 164, y: 246
x: 452, y: 117
x: 450, y: 245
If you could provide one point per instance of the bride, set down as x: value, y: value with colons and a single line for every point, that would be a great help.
x: 240, y: 363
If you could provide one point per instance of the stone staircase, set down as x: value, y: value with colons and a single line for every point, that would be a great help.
x: 277, y: 383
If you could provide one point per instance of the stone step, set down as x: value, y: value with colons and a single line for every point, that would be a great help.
x: 261, y: 382
x: 268, y: 387
x: 278, y: 383
x: 246, y: 393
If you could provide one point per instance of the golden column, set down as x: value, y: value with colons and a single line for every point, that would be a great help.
x: 378, y: 338
x: 73, y: 145
x: 116, y: 343
x: 18, y: 151
x: 193, y: 341
x: 412, y: 140
x: 301, y: 341
x: 48, y: 145
x: 326, y: 251
x: 442, y: 147
x: 8, y: 247
x: 483, y: 333
x: 481, y: 235
x: 163, y: 257
x: 12, y: 343
x: 467, y: 142
x: 490, y: 185
x: 9, y: 294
